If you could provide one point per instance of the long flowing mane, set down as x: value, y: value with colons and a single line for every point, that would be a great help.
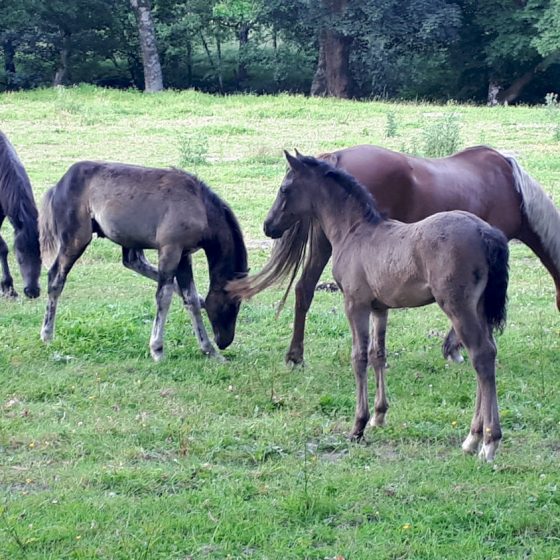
x: 16, y: 196
x: 349, y: 184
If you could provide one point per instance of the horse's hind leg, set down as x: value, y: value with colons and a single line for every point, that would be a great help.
x: 168, y: 261
x: 377, y: 359
x: 305, y: 290
x: 134, y: 259
x: 485, y: 425
x: 58, y: 273
x: 192, y: 302
x: 451, y: 348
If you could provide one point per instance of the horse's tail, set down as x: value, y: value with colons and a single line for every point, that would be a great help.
x: 542, y: 216
x: 288, y: 253
x: 495, y: 293
x: 48, y: 234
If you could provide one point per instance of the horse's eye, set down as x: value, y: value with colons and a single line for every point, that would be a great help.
x: 284, y: 189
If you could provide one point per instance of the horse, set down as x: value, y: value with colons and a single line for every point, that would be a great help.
x: 479, y: 180
x: 141, y: 208
x: 453, y: 258
x: 18, y: 205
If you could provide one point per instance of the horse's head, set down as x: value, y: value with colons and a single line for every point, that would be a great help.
x: 222, y: 309
x: 292, y: 201
x: 28, y: 256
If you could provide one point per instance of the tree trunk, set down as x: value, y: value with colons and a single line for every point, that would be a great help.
x: 189, y: 64
x: 62, y: 69
x: 319, y: 84
x: 153, y: 80
x: 510, y: 94
x: 9, y: 62
x: 335, y: 56
x: 243, y: 36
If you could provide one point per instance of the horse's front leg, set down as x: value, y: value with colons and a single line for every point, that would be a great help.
x: 377, y: 360
x: 358, y: 317
x: 168, y: 261
x: 7, y: 282
x: 192, y: 302
x: 320, y: 252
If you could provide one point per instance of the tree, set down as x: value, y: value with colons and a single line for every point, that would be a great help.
x: 332, y: 76
x: 153, y: 79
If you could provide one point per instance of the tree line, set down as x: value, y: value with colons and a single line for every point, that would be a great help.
x: 495, y: 51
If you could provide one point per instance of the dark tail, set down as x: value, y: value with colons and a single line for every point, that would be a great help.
x: 48, y: 234
x: 495, y: 293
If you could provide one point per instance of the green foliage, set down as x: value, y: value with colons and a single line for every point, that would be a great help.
x: 442, y: 137
x: 553, y: 111
x: 391, y: 126
x: 193, y: 149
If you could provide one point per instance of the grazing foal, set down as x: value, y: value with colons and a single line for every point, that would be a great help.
x: 145, y: 208
x: 452, y: 258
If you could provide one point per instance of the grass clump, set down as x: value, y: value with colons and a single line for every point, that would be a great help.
x: 442, y: 137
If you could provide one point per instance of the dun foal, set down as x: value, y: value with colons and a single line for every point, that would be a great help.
x: 452, y: 258
x: 144, y: 208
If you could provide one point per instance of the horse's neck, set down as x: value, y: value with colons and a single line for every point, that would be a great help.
x: 221, y: 252
x: 337, y: 215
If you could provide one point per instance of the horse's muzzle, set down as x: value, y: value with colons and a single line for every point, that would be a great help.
x: 32, y: 293
x: 271, y: 231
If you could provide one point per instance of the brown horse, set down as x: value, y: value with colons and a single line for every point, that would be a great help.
x: 453, y: 258
x: 479, y: 180
x: 144, y: 208
x: 18, y: 205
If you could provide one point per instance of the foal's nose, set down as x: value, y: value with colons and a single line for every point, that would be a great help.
x: 269, y: 231
x: 32, y: 293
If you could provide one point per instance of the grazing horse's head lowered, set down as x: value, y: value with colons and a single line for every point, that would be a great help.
x: 17, y: 203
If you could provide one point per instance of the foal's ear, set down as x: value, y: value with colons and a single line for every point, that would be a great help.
x: 294, y: 163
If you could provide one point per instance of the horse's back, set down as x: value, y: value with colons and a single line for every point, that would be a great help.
x: 409, y: 188
x: 134, y: 206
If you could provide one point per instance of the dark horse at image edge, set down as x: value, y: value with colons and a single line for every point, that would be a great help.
x: 18, y: 205
x: 452, y: 258
x: 139, y: 208
x: 479, y: 180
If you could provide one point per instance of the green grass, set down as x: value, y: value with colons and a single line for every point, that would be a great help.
x: 104, y: 454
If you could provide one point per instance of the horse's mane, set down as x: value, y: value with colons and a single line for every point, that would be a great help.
x: 241, y: 262
x: 349, y: 184
x: 16, y: 195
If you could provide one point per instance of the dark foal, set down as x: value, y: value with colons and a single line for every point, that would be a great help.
x: 145, y: 208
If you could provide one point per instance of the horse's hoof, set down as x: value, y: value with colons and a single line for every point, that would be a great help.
x: 46, y: 336
x: 294, y: 359
x: 378, y: 421
x: 216, y: 356
x: 455, y: 357
x: 470, y: 445
x: 9, y: 293
x: 488, y: 451
x: 356, y: 437
x: 157, y: 354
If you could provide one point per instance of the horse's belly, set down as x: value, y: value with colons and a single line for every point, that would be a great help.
x: 409, y: 294
x: 137, y: 235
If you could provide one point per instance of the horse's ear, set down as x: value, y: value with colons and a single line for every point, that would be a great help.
x: 294, y: 163
x: 331, y: 158
x: 298, y: 155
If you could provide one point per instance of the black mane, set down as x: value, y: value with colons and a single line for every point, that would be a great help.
x: 350, y: 185
x: 240, y: 263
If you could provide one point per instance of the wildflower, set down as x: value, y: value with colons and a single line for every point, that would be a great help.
x: 454, y: 423
x: 407, y: 526
x: 32, y: 445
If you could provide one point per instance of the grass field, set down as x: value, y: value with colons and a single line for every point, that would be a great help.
x: 104, y: 454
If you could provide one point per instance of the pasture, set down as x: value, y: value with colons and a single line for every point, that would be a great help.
x: 105, y: 454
